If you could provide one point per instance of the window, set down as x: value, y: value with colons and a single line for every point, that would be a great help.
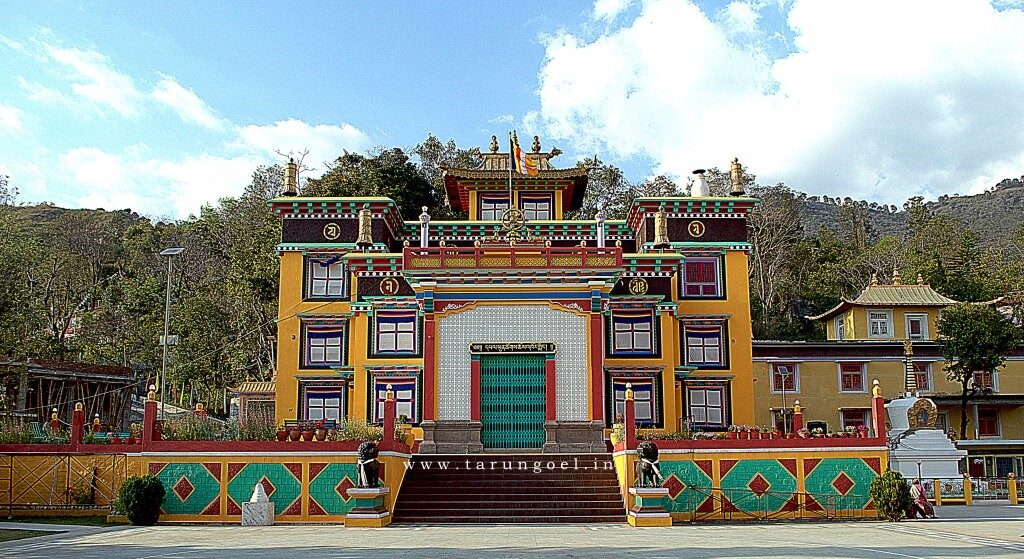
x: 879, y: 324
x: 984, y: 380
x: 785, y: 377
x: 854, y: 418
x: 326, y: 277
x: 633, y: 333
x: 917, y: 326
x: 405, y: 397
x: 536, y: 206
x: 396, y: 332
x: 923, y: 376
x: 701, y: 278
x: 323, y: 403
x: 851, y: 377
x: 643, y: 399
x: 988, y: 422
x: 704, y: 346
x: 706, y: 406
x: 324, y: 346
x: 840, y: 327
x: 491, y: 207
x: 942, y: 422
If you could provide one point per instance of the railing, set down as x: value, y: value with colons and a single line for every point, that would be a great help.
x: 60, y: 481
x: 963, y: 490
x: 522, y: 256
x: 736, y: 503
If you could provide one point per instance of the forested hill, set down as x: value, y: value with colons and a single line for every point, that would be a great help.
x: 994, y: 215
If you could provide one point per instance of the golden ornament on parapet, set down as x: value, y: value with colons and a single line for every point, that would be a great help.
x: 638, y: 286
x: 389, y: 286
x: 696, y: 228
x: 332, y: 231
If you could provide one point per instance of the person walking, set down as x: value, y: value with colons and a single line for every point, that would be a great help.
x: 920, y: 504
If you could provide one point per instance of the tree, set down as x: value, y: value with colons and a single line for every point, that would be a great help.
x: 385, y: 172
x: 607, y: 188
x: 974, y: 338
x: 775, y: 231
x: 434, y: 156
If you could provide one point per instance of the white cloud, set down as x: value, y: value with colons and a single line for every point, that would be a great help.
x: 608, y: 9
x: 879, y: 99
x: 325, y: 142
x: 11, y: 119
x: 95, y: 81
x: 186, y: 103
x: 502, y: 119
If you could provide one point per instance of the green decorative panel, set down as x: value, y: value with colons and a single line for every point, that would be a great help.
x: 281, y: 481
x: 190, y: 488
x: 849, y: 479
x: 328, y: 491
x: 512, y: 401
x: 758, y: 486
x: 689, y: 485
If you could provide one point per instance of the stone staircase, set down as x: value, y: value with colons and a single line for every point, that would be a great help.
x: 507, y: 488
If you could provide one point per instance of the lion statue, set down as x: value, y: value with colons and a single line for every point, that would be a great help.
x: 647, y: 473
x: 368, y: 468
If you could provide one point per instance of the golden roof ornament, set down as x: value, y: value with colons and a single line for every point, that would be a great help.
x: 896, y: 279
x: 920, y: 279
x: 291, y: 178
x: 494, y: 144
x: 736, y: 177
x: 874, y: 278
x: 365, y: 238
x: 536, y: 144
x: 908, y: 348
x: 661, y: 228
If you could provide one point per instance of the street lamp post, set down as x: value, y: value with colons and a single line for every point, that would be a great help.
x: 784, y: 373
x: 170, y: 253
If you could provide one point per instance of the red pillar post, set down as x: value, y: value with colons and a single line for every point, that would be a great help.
x: 54, y: 422
x: 878, y: 410
x: 77, y: 425
x: 474, y: 388
x: 798, y: 418
x: 630, y: 418
x: 550, y: 395
x: 96, y: 426
x: 429, y: 367
x: 389, y: 417
x: 596, y: 367
x: 149, y: 418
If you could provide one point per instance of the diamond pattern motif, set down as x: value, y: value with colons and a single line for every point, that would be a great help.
x: 183, y: 488
x: 843, y: 484
x: 343, y: 487
x: 674, y: 485
x: 267, y: 486
x: 758, y: 485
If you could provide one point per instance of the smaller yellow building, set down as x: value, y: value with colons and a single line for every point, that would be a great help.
x: 865, y: 341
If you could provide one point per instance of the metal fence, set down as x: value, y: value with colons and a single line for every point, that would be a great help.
x: 60, y: 481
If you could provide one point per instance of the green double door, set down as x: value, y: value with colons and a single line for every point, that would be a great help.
x: 512, y: 400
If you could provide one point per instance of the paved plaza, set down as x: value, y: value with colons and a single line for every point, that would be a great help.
x: 992, y: 531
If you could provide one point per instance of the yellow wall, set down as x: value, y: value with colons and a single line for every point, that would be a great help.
x: 856, y: 321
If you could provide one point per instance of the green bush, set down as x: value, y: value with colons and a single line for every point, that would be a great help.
x: 190, y: 427
x: 13, y: 431
x: 140, y: 498
x: 891, y: 495
x: 355, y: 430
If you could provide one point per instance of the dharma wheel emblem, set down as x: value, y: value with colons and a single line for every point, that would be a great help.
x: 638, y: 286
x: 696, y: 228
x: 388, y: 286
x: 332, y: 231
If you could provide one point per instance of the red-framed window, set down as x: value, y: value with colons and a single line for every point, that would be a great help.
x: 324, y: 346
x: 785, y: 376
x: 851, y: 377
x: 492, y: 207
x: 923, y: 376
x: 988, y: 422
x: 701, y: 278
x: 984, y: 379
x: 854, y: 418
x: 536, y: 206
x: 395, y: 333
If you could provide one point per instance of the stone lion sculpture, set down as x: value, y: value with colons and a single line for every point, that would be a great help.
x: 368, y: 468
x: 647, y: 473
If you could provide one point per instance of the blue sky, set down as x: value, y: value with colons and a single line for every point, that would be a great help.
x: 164, y: 107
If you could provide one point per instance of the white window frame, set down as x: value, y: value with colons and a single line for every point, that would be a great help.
x: 318, y: 407
x: 492, y: 207
x: 995, y: 380
x: 704, y: 349
x: 888, y: 324
x: 796, y: 377
x: 928, y: 374
x: 324, y: 345
x: 400, y: 336
x: 332, y: 282
x: 535, y: 208
x: 865, y: 414
x: 629, y: 330
x: 839, y: 327
x: 705, y: 390
x: 863, y: 377
x: 907, y: 317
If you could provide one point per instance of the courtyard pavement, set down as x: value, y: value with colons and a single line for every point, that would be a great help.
x: 990, y: 531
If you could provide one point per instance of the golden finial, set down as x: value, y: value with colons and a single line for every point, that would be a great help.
x: 365, y: 238
x: 291, y: 178
x: 476, y: 243
x: 199, y: 406
x: 796, y: 407
x: 583, y: 244
x: 661, y: 228
x: 405, y: 243
x: 618, y: 243
x: 629, y: 391
x: 736, y: 177
x: 96, y: 419
x: 547, y: 243
x: 494, y: 144
x: 536, y: 144
x: 876, y: 390
x: 389, y: 394
x: 79, y: 406
x: 442, y: 243
x: 896, y: 279
x: 920, y: 279
x: 908, y: 348
x: 151, y: 395
x: 53, y: 416
x: 874, y: 278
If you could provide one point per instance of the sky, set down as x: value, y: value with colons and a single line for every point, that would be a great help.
x: 164, y: 107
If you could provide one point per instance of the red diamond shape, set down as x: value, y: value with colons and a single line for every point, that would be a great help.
x: 183, y: 488
x: 674, y: 486
x: 843, y: 484
x: 343, y: 487
x: 267, y: 486
x: 759, y: 485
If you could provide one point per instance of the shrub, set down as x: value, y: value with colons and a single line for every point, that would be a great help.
x: 13, y: 431
x: 891, y: 495
x: 352, y: 430
x: 618, y: 433
x: 140, y: 498
x: 190, y: 427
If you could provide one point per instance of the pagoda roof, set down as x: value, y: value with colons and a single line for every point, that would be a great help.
x: 572, y: 182
x: 895, y: 295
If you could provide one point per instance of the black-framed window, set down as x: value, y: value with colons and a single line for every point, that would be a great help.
x: 323, y: 346
x: 405, y: 392
x: 645, y: 400
x: 326, y: 278
x: 323, y: 402
x: 705, y: 346
x: 701, y: 278
x: 492, y: 207
x: 785, y: 377
x: 396, y: 333
x: 707, y: 406
x: 633, y: 333
x: 536, y: 206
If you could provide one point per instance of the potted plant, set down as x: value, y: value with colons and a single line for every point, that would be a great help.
x: 294, y: 433
x: 113, y: 438
x: 282, y: 433
x: 862, y: 432
x: 731, y: 432
x: 307, y: 431
x: 804, y: 433
x: 320, y: 433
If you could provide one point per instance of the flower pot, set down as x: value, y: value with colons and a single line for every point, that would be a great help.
x: 320, y: 434
x: 115, y: 440
x: 776, y: 435
x: 294, y: 435
x: 731, y: 434
x: 307, y: 435
x: 129, y: 440
x: 282, y: 435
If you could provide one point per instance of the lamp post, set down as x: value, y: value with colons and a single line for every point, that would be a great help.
x: 170, y: 253
x: 784, y: 373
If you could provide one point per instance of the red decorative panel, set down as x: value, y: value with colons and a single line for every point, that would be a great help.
x: 674, y: 486
x: 295, y: 469
x: 213, y: 468
x: 727, y: 505
x: 315, y: 510
x: 155, y: 467
x: 705, y: 466
x: 789, y: 464
x: 811, y: 504
x: 233, y: 508
x: 725, y: 465
x: 792, y: 505
x: 267, y: 486
x: 759, y: 485
x: 314, y: 469
x: 295, y: 509
x: 233, y: 469
x: 214, y: 508
x: 875, y: 464
x: 343, y: 487
x: 843, y: 484
x: 183, y: 488
x: 810, y: 464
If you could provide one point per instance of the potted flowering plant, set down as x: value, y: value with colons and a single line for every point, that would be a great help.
x: 804, y: 433
x: 294, y: 432
x: 308, y: 428
x: 862, y: 432
x: 321, y: 432
x: 282, y: 433
x: 731, y: 432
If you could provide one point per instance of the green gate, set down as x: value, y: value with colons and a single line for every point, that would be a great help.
x: 512, y: 400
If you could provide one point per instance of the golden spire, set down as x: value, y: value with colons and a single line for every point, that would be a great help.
x: 736, y: 177
x: 291, y: 178
x: 896, y: 279
x: 494, y: 144
x: 874, y: 278
x: 365, y: 238
x: 536, y: 144
x: 920, y: 279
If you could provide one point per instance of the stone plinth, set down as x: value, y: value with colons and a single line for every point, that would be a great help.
x: 648, y: 507
x: 451, y: 437
x: 371, y: 510
x: 916, y: 440
x: 574, y: 436
x: 259, y: 511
